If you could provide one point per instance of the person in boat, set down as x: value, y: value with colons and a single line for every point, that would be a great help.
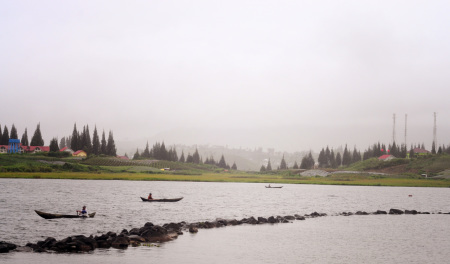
x: 150, y: 196
x: 82, y: 212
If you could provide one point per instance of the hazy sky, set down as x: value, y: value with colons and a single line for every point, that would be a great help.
x: 292, y: 75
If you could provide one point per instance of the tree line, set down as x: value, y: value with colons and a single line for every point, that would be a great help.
x: 160, y: 152
x: 329, y: 159
x: 79, y: 140
x: 36, y: 140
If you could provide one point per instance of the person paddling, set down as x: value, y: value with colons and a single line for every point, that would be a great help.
x: 83, y: 212
x: 150, y: 197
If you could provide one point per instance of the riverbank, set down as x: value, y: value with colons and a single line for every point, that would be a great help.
x: 336, y: 179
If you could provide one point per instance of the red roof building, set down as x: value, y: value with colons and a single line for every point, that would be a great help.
x: 421, y: 151
x: 386, y: 157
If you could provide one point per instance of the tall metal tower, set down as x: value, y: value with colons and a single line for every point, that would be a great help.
x: 393, y: 130
x: 434, y: 132
x: 406, y: 121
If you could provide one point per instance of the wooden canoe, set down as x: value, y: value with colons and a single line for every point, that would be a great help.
x: 53, y: 216
x: 161, y: 200
x: 274, y: 186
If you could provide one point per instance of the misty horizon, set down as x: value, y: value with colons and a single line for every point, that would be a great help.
x: 293, y: 76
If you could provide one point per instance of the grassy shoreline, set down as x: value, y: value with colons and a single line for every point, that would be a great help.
x: 355, y: 180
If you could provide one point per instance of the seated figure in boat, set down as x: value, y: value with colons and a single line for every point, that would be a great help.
x: 83, y: 212
x: 150, y: 196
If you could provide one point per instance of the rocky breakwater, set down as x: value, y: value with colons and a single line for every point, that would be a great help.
x: 151, y: 233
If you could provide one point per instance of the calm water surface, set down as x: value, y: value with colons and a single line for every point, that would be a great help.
x: 332, y: 239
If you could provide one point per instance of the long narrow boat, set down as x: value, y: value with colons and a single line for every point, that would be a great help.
x: 161, y: 200
x: 274, y: 186
x: 53, y: 216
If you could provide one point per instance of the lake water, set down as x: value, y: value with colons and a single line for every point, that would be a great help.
x: 330, y: 239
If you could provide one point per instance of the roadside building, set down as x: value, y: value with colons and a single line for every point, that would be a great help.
x: 66, y: 149
x: 386, y: 157
x: 421, y: 152
x: 79, y: 153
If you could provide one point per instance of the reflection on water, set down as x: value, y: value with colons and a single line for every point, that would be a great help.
x: 332, y: 239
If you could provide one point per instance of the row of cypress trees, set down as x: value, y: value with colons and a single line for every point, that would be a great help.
x: 81, y: 140
x: 77, y: 141
x: 36, y: 140
x: 159, y: 152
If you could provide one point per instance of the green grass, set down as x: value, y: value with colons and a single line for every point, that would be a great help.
x: 350, y: 179
x: 109, y: 168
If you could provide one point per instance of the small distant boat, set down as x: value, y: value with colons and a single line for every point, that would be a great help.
x: 274, y: 186
x: 53, y: 216
x: 161, y: 200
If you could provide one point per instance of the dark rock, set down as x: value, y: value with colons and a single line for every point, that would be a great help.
x: 413, y: 212
x: 172, y: 227
x: 262, y: 220
x: 193, y: 229
x: 299, y: 217
x: 149, y: 224
x: 124, y: 231
x: 396, y: 211
x: 104, y: 243
x: 5, y: 247
x: 272, y: 220
x: 24, y: 249
x: 111, y: 234
x: 424, y: 213
x: 221, y: 222
x: 120, y: 242
x: 234, y: 222
x: 289, y: 217
x: 154, y: 233
x: 134, y: 231
x: 136, y: 238
x: 380, y: 212
x: 48, y: 243
x: 252, y: 221
x: 361, y: 213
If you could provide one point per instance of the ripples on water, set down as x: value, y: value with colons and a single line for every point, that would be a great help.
x: 332, y: 239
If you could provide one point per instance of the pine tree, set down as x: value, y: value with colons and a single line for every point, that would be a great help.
x: 346, y: 158
x: 5, y: 137
x: 13, y: 134
x: 433, y: 147
x: 54, y: 145
x: 196, y: 157
x: 262, y: 169
x: 96, y: 142
x: 1, y: 134
x: 338, y: 160
x: 68, y: 142
x: 82, y: 139
x: 234, y: 167
x: 182, y: 157
x: 103, y: 144
x: 269, y: 166
x: 111, y: 146
x: 136, y: 155
x: 87, y: 144
x: 322, y: 159
x: 189, y: 158
x: 37, y: 140
x: 222, y: 163
x: 24, y: 140
x: 295, y: 167
x: 327, y: 158
x: 146, y: 153
x: 333, y: 163
x: 62, y: 142
x: 283, y: 165
x: 356, y: 156
x: 74, y: 140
